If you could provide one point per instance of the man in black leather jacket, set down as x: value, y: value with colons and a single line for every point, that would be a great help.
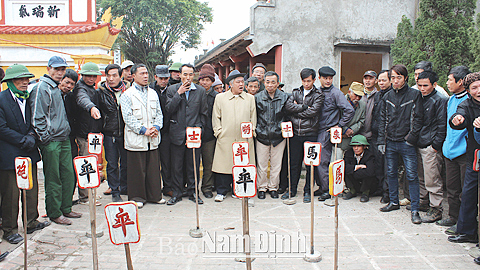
x: 113, y: 125
x: 400, y: 124
x: 270, y: 143
x: 304, y: 106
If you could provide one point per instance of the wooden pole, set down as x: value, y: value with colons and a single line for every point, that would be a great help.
x: 24, y: 202
x: 311, y: 208
x: 129, y: 257
x: 289, y: 181
x: 196, y: 188
x: 91, y: 202
x: 246, y: 233
x: 335, y: 264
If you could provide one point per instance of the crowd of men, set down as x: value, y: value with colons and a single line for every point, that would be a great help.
x: 422, y: 132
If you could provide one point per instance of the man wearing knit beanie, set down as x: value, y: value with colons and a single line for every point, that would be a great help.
x: 206, y: 79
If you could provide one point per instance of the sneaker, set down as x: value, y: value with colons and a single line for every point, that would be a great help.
x: 139, y: 205
x: 433, y: 214
x: 162, y: 201
x: 448, y: 222
x: 233, y: 196
x: 220, y: 197
x: 404, y: 202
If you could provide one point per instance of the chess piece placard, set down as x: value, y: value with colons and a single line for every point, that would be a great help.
x: 247, y: 130
x: 245, y: 181
x: 194, y: 137
x: 86, y: 169
x: 312, y: 153
x: 95, y: 143
x: 241, y: 155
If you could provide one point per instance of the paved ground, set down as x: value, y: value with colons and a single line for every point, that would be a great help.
x: 368, y: 239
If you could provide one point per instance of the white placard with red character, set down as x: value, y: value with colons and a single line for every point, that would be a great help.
x: 336, y: 175
x: 240, y: 153
x: 122, y: 220
x: 86, y: 169
x: 194, y: 137
x: 336, y: 135
x: 23, y: 172
x: 247, y: 130
x: 287, y: 129
x: 312, y: 152
x: 95, y: 143
x: 245, y: 181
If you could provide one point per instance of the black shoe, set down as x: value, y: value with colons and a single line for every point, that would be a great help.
x: 452, y: 230
x: 116, y: 198
x: 285, y: 195
x: 449, y: 221
x: 208, y: 194
x: 463, y: 238
x: 349, y: 195
x: 317, y: 192
x: 261, y: 195
x: 476, y: 260
x: 174, y: 200
x: 192, y: 198
x: 390, y: 207
x: 281, y: 190
x: 274, y: 194
x: 4, y: 255
x: 324, y: 196
x: 364, y: 198
x: 385, y: 198
x: 39, y: 226
x: 307, y: 198
x: 14, y: 238
x: 416, y: 218
x: 75, y: 202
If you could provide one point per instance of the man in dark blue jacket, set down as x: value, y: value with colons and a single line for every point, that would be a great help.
x: 336, y: 112
x: 17, y: 139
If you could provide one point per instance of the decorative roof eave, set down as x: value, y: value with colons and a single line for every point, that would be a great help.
x: 100, y: 35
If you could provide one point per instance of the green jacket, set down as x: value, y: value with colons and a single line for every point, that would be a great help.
x: 49, y: 118
x: 355, y: 124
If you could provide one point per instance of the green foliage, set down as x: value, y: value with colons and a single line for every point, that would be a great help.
x: 475, y: 44
x: 441, y: 36
x: 153, y: 28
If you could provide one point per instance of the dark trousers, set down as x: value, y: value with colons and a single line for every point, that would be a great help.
x: 166, y: 163
x: 10, y: 201
x: 359, y: 185
x: 380, y: 171
x: 208, y: 150
x: 182, y: 165
x: 455, y: 171
x: 143, y: 177
x: 284, y: 172
x: 296, y: 161
x: 224, y: 183
x: 409, y: 157
x: 467, y: 218
x: 324, y: 139
x: 115, y: 153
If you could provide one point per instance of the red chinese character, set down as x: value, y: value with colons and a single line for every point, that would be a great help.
x: 338, y: 178
x: 241, y: 152
x: 246, y: 129
x: 336, y: 135
x: 287, y: 128
x: 193, y: 136
x: 22, y: 170
x: 122, y: 220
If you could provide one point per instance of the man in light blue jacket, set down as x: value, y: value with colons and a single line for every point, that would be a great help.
x: 454, y: 147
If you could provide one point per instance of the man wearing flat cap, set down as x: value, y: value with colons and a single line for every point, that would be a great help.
x: 160, y: 86
x: 50, y: 122
x: 17, y: 139
x: 354, y: 96
x: 336, y: 112
x: 230, y: 109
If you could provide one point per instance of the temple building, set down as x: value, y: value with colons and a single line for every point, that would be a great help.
x: 32, y: 31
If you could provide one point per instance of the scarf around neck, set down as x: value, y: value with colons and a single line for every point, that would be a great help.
x: 19, y: 94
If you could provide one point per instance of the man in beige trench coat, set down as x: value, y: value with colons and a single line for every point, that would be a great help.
x: 230, y: 110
